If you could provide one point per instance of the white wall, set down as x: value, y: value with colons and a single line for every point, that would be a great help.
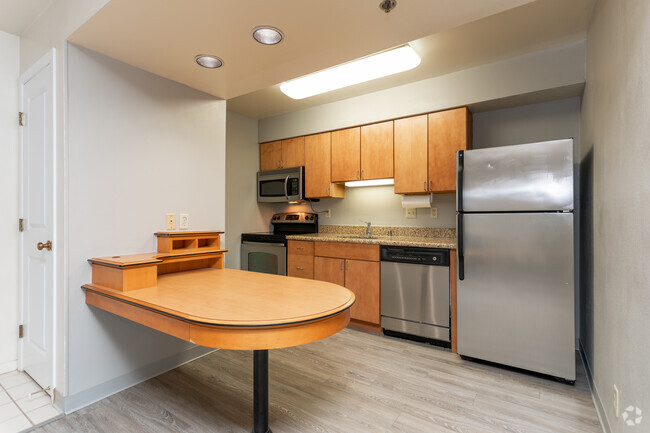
x: 532, y: 73
x: 616, y: 209
x: 9, y: 67
x: 139, y: 146
x: 243, y: 213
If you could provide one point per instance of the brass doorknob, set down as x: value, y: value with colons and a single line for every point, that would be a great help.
x: 47, y: 245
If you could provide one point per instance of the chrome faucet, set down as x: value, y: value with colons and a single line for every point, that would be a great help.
x: 367, y: 227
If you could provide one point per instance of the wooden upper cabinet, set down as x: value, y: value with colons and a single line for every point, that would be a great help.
x: 377, y: 151
x: 449, y: 132
x: 346, y: 155
x: 282, y: 154
x: 410, y: 155
x: 270, y: 155
x: 318, y: 176
x: 293, y: 152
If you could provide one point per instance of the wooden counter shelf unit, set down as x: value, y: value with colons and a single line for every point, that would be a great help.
x: 177, y: 252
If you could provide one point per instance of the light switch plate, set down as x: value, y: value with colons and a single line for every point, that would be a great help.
x: 411, y: 212
x: 184, y: 223
x: 328, y: 213
x: 434, y: 212
x: 170, y: 221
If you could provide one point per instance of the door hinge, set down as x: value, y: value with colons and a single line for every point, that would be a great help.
x: 21, y: 118
x: 20, y: 331
x: 21, y: 225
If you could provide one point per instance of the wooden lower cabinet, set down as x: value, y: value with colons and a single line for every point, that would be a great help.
x: 363, y: 279
x: 330, y: 270
x: 300, y: 259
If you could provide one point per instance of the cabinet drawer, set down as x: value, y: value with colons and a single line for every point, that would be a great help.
x: 347, y: 251
x: 303, y: 248
x: 300, y: 266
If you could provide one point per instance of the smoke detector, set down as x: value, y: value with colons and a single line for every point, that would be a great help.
x: 387, y: 5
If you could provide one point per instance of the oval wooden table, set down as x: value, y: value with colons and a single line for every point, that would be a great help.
x: 237, y: 310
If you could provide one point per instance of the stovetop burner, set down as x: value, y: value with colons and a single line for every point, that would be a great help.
x: 284, y: 224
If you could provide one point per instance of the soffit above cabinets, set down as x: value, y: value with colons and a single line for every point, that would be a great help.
x: 17, y: 16
x: 164, y: 37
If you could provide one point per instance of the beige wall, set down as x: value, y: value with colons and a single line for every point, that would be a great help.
x: 243, y: 213
x: 9, y: 66
x: 616, y: 209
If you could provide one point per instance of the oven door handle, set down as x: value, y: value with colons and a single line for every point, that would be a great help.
x: 271, y: 244
x: 286, y: 187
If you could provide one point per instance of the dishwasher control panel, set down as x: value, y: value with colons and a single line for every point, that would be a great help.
x: 420, y: 256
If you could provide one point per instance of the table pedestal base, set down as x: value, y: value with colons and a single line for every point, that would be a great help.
x: 261, y: 391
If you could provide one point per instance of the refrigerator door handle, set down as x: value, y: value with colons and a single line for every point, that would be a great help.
x: 461, y: 252
x: 460, y: 166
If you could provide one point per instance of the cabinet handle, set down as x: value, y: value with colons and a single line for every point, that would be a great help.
x: 328, y: 191
x: 361, y: 174
x: 341, y: 264
x: 425, y: 185
x: 277, y: 164
x: 357, y: 174
x: 347, y: 265
x: 300, y: 268
x: 300, y: 248
x: 430, y: 185
x: 281, y: 164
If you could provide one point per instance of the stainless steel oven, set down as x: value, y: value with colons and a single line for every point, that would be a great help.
x: 267, y: 252
x: 278, y: 186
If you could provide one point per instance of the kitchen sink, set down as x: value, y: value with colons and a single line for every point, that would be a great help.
x: 360, y: 237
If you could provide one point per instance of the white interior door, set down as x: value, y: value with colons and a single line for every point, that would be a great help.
x: 37, y: 211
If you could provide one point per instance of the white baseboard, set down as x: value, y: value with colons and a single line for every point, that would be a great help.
x: 72, y: 403
x: 6, y: 367
x: 598, y: 403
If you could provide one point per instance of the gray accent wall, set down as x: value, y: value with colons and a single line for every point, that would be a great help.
x: 139, y: 146
x: 616, y: 211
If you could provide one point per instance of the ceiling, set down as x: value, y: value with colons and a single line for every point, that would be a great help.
x: 450, y: 35
x: 18, y: 15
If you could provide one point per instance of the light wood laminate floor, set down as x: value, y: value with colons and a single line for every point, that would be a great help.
x: 352, y: 382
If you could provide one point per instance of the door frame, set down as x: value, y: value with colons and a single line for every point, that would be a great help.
x: 48, y: 59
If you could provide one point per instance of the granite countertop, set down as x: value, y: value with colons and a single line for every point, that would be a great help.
x: 402, y: 236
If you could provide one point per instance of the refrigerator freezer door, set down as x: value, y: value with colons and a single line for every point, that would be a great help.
x: 524, y: 177
x: 515, y: 303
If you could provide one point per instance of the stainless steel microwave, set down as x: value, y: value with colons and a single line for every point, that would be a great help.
x: 277, y: 186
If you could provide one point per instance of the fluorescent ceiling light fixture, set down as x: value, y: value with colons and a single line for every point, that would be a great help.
x: 208, y: 61
x: 376, y: 66
x: 374, y: 182
x: 267, y: 35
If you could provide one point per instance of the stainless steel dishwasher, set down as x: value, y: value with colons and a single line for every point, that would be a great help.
x: 415, y: 293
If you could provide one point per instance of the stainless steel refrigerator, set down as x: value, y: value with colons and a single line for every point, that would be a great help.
x: 515, y: 223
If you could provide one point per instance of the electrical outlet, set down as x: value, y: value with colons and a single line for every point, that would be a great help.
x: 170, y: 223
x: 411, y: 212
x: 328, y: 213
x: 616, y: 401
x: 434, y: 212
x: 184, y: 223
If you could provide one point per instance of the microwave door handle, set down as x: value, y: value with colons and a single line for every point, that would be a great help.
x: 286, y: 186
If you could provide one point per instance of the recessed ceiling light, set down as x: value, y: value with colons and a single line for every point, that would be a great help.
x: 208, y: 61
x: 355, y: 72
x: 267, y: 35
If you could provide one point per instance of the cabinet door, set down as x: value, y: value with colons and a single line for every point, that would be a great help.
x: 293, y: 152
x: 377, y: 151
x: 362, y: 278
x: 318, y: 174
x: 411, y: 155
x: 270, y: 155
x: 330, y: 270
x: 346, y: 155
x: 449, y: 132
